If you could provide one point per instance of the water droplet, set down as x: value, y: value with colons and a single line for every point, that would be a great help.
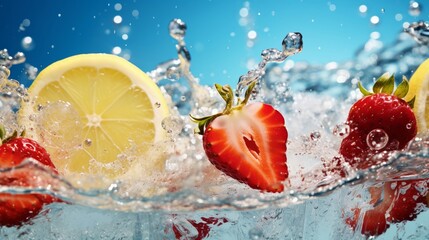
x: 135, y: 13
x: 272, y: 55
x: 377, y: 139
x: 315, y: 136
x: 341, y: 130
x: 31, y: 71
x: 24, y: 24
x: 4, y: 72
x: 244, y: 12
x: 117, y: 50
x: 363, y: 8
x: 251, y: 35
x: 292, y: 43
x: 117, y: 19
x: 173, y: 125
x: 374, y: 20
x: 409, y: 126
x: 177, y: 29
x: 118, y: 7
x: 27, y: 43
x: 157, y: 105
x: 414, y: 8
x: 88, y: 142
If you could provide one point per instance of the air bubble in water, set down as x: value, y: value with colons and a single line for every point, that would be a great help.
x: 177, y: 29
x: 377, y: 139
x: 414, y: 8
x: 292, y: 43
x: 256, y: 233
x: 341, y: 130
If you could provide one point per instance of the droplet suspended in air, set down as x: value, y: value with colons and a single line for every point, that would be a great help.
x: 117, y: 19
x: 292, y: 43
x: 177, y: 29
x: 341, y: 130
x: 27, y: 43
x: 414, y: 8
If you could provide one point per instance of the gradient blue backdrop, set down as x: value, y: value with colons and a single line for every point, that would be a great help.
x: 332, y: 30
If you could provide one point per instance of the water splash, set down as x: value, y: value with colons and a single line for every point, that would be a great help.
x: 419, y: 31
x: 292, y: 44
x: 189, y: 192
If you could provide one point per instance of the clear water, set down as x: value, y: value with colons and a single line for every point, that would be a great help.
x: 319, y: 95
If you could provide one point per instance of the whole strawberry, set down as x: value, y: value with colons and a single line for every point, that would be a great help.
x: 247, y: 142
x: 18, y: 209
x: 380, y: 121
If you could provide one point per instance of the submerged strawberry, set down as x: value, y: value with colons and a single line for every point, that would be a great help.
x: 17, y: 209
x: 393, y: 202
x: 247, y: 142
x: 380, y: 121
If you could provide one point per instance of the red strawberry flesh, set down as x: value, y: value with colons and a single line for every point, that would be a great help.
x: 249, y: 145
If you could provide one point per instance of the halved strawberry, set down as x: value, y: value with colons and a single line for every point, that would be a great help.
x: 16, y: 209
x: 247, y: 142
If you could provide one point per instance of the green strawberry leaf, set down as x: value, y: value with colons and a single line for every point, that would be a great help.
x: 402, y: 89
x: 363, y: 90
x: 384, y: 84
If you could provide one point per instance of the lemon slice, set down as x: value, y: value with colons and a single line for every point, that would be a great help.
x: 419, y: 87
x: 95, y: 113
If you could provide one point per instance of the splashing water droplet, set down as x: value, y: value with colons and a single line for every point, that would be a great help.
x: 314, y: 136
x: 377, y: 139
x: 272, y: 55
x: 292, y: 43
x: 173, y: 125
x: 414, y: 8
x: 177, y: 29
x: 27, y: 43
x: 31, y: 71
x: 419, y: 31
x: 341, y: 130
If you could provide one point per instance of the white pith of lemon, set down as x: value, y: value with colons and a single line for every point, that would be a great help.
x: 419, y: 87
x: 104, y: 104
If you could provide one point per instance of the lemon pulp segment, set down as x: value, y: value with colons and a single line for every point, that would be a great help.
x: 119, y: 107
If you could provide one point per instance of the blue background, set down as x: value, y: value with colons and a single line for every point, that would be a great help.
x: 332, y: 30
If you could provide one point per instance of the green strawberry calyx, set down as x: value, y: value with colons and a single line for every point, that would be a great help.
x: 386, y: 84
x: 227, y: 94
x: 4, y: 138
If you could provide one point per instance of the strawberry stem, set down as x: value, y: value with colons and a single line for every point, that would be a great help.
x: 386, y: 84
x: 228, y: 96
